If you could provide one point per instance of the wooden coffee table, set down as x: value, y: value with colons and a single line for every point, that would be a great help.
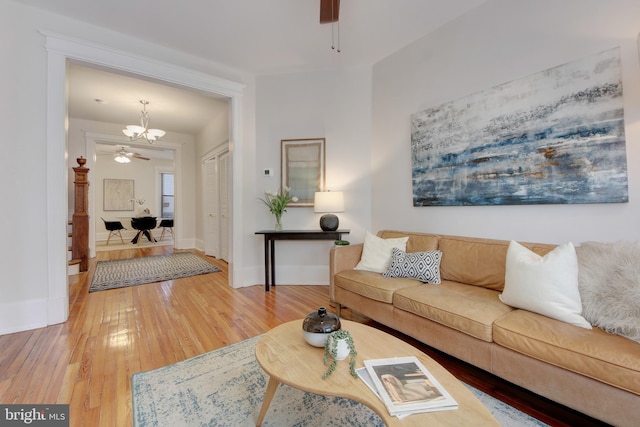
x: 288, y: 359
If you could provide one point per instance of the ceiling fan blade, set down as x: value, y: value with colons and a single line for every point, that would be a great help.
x: 329, y: 11
x: 138, y: 156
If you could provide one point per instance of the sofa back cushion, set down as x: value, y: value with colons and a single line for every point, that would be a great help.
x: 478, y: 262
x: 418, y: 242
x: 474, y: 261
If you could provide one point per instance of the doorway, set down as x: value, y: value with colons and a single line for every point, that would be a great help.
x: 95, y: 147
x: 61, y: 50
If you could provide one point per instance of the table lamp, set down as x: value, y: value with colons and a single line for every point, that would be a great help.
x: 328, y: 202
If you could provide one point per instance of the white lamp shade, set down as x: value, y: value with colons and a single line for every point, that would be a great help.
x: 133, y: 130
x: 328, y: 201
x: 157, y: 132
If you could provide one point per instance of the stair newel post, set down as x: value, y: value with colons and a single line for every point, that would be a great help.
x: 80, y: 221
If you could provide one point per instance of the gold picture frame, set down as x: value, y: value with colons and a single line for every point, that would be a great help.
x: 302, y: 168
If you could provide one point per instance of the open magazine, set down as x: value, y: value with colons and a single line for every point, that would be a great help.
x: 406, y: 386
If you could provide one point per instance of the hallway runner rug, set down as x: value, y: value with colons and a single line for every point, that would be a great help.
x: 121, y: 273
x: 225, y: 387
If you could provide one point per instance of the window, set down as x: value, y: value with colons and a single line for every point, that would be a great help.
x: 166, y: 195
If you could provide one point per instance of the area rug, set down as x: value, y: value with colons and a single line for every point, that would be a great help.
x: 225, y: 387
x: 120, y: 273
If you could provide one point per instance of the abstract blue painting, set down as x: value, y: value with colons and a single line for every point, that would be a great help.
x: 554, y: 137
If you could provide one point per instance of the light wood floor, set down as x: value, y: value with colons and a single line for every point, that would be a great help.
x: 110, y: 335
x: 88, y: 361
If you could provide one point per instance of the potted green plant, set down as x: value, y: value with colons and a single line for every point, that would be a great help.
x: 336, y: 343
x: 277, y: 203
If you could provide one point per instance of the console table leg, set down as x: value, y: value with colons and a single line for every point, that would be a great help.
x: 273, y: 263
x: 266, y: 263
x: 272, y: 386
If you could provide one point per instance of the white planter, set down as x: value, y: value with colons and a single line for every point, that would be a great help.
x: 342, y: 346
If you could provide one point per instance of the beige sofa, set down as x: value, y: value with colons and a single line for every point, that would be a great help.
x: 588, y: 370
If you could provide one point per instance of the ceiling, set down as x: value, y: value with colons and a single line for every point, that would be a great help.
x: 105, y: 96
x: 269, y: 36
x: 115, y: 98
x: 256, y: 36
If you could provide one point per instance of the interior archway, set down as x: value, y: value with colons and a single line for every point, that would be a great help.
x: 62, y: 49
x: 91, y: 139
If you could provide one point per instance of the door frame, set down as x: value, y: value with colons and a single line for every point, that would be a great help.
x: 91, y: 139
x: 60, y: 50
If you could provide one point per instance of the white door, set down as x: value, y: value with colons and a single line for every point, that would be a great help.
x: 223, y: 179
x: 211, y: 206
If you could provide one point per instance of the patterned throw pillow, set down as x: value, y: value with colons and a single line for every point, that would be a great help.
x: 423, y: 266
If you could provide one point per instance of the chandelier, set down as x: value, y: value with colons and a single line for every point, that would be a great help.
x: 136, y: 132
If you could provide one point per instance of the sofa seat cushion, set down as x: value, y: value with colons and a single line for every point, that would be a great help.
x: 372, y: 285
x: 612, y: 359
x: 468, y: 309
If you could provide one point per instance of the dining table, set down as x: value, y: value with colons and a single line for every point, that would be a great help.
x: 144, y: 225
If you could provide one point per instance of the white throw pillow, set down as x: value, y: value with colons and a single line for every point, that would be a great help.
x: 376, y: 253
x: 545, y: 285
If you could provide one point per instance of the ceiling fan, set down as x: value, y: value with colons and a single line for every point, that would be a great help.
x: 124, y: 156
x: 330, y: 14
x: 329, y: 11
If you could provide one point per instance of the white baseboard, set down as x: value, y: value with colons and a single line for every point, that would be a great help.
x: 296, y: 275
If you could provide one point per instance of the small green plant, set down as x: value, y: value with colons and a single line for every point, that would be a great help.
x: 341, y: 242
x: 332, y: 350
x: 277, y: 203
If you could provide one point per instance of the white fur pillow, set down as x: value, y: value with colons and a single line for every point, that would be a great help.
x: 376, y: 253
x: 609, y: 281
x: 545, y: 285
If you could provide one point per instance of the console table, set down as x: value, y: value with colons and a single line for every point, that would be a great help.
x: 270, y: 236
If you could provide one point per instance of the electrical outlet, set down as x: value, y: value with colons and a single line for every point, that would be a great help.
x: 268, y: 172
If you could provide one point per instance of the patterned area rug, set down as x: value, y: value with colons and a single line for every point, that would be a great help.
x: 137, y: 271
x: 225, y: 387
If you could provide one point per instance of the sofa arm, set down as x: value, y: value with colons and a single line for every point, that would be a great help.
x: 342, y: 258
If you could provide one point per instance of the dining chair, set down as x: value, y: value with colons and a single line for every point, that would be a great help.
x: 113, y: 227
x: 166, y: 224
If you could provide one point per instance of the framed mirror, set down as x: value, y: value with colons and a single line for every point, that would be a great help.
x: 302, y: 168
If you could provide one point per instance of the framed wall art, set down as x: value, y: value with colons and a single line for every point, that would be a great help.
x: 302, y: 168
x: 555, y: 137
x: 118, y: 194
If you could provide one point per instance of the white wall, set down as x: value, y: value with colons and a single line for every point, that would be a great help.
x: 25, y: 263
x: 498, y: 42
x: 335, y: 105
